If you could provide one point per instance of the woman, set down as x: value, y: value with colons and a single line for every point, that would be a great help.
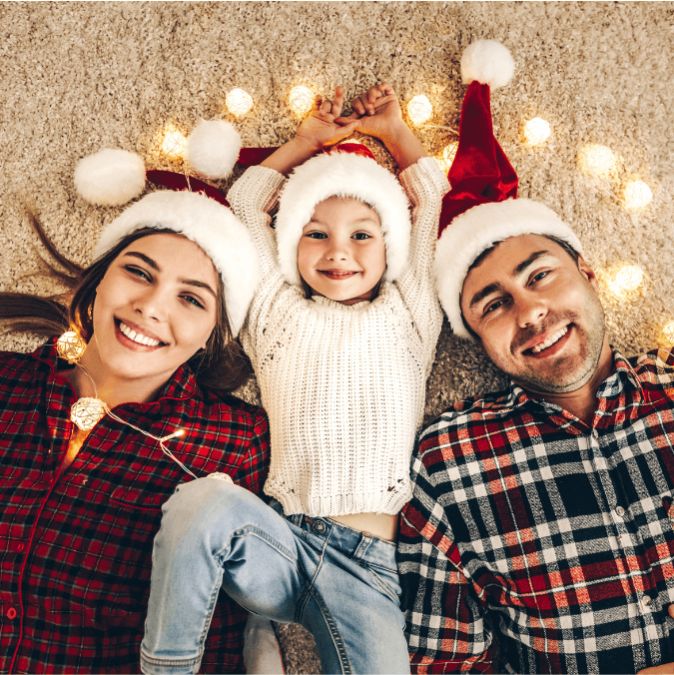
x: 89, y: 450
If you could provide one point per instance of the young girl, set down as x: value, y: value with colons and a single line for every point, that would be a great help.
x: 92, y: 445
x: 341, y: 335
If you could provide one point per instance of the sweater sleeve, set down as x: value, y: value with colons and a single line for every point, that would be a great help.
x: 425, y: 185
x: 252, y: 198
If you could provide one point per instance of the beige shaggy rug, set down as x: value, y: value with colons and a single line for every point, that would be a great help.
x: 79, y: 76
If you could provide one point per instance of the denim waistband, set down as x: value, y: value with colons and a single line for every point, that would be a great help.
x: 350, y: 542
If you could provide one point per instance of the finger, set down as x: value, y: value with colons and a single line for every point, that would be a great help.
x: 349, y: 128
x: 670, y: 610
x: 338, y: 101
x: 358, y: 106
x: 373, y: 93
x: 386, y: 89
x: 369, y: 98
x: 346, y: 119
x: 325, y: 107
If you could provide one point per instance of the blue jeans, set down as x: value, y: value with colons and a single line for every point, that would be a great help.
x: 341, y: 584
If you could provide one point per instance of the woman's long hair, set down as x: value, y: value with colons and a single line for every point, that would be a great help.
x: 221, y: 365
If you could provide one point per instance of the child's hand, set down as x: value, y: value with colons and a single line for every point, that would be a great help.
x: 324, y: 126
x: 378, y: 113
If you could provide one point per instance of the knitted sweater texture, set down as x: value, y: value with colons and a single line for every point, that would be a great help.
x: 343, y: 385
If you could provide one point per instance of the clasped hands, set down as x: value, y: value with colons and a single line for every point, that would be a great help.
x: 375, y: 112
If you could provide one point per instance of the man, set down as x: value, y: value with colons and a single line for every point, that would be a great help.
x: 542, y: 514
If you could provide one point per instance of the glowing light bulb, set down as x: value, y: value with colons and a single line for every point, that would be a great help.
x: 419, y: 109
x: 668, y: 331
x: 596, y: 160
x: 174, y: 144
x: 70, y: 346
x: 628, y: 278
x: 301, y: 99
x: 536, y: 131
x: 238, y: 102
x: 87, y: 412
x: 637, y: 195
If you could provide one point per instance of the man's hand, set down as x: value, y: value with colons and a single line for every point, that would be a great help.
x: 664, y: 668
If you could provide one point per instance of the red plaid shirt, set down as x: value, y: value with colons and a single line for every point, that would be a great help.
x: 558, y: 537
x: 75, y: 547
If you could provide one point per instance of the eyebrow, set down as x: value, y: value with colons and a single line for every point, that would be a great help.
x: 364, y: 219
x: 525, y: 263
x: 190, y: 282
x: 481, y: 294
x: 519, y: 268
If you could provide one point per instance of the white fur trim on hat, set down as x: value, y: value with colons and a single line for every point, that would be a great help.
x: 476, y: 230
x: 488, y: 62
x: 343, y: 175
x: 110, y: 177
x: 213, y: 148
x: 207, y: 223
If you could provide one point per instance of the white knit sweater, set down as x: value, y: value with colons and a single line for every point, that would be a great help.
x: 343, y: 386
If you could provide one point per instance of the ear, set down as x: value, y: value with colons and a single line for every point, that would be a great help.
x: 587, y: 271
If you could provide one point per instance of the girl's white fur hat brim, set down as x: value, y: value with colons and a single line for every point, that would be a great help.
x: 207, y: 223
x: 343, y: 175
x: 476, y: 230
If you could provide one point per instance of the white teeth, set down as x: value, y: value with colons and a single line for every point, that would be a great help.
x: 138, y: 337
x: 555, y: 337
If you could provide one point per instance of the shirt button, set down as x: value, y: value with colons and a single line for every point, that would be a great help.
x: 11, y: 613
x: 620, y: 511
x: 646, y: 601
x: 20, y: 548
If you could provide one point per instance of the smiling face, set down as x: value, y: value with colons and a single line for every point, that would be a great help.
x: 341, y: 253
x: 155, y: 307
x: 537, y: 314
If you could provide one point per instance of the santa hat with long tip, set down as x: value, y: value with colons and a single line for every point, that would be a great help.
x: 347, y: 170
x: 482, y: 208
x: 191, y: 207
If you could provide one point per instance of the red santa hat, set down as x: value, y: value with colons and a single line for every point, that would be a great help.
x: 189, y: 206
x: 347, y: 170
x: 482, y: 207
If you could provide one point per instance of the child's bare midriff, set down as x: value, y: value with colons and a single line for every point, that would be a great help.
x: 380, y: 525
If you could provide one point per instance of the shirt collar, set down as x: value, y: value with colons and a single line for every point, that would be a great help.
x: 182, y: 384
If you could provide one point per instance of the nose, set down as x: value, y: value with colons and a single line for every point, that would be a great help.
x: 151, y: 304
x: 337, y: 250
x: 531, y: 310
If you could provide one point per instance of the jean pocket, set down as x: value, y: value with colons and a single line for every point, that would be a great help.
x: 385, y: 581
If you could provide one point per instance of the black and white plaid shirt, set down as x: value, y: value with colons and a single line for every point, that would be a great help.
x: 558, y: 536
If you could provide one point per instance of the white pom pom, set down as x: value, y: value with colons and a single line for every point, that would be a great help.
x: 488, y: 62
x: 110, y: 177
x: 213, y: 148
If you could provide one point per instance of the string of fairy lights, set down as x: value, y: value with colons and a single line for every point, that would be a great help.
x: 594, y: 160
